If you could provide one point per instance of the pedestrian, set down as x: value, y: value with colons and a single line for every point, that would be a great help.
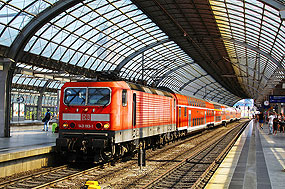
x: 46, y: 120
x: 270, y: 123
x: 275, y: 125
x: 261, y: 120
x: 282, y: 122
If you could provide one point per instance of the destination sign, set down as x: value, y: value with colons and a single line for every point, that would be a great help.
x: 276, y: 99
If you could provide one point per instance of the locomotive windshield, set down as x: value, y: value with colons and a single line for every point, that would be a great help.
x: 98, y: 96
x: 75, y: 96
x: 95, y: 96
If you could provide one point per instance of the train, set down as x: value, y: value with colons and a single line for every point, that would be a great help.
x: 105, y: 120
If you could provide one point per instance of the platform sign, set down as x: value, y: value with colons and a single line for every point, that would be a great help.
x: 276, y: 99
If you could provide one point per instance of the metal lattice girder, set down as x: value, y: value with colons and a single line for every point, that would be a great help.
x: 210, y: 91
x: 274, y: 3
x: 38, y: 22
x: 172, y: 71
x: 95, y: 36
x: 32, y: 88
x: 203, y: 87
x: 190, y: 81
x: 136, y: 53
x: 244, y: 44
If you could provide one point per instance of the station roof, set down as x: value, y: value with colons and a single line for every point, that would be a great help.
x: 218, y: 50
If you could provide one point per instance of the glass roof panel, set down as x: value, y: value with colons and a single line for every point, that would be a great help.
x: 262, y: 31
x: 98, y: 35
x: 15, y: 14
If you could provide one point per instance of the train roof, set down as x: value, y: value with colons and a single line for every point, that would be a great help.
x: 163, y: 91
x: 150, y: 90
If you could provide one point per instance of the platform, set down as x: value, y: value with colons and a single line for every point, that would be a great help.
x: 257, y: 160
x: 26, y: 150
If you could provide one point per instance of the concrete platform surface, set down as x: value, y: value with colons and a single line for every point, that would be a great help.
x: 257, y: 160
x: 26, y: 150
x: 26, y: 140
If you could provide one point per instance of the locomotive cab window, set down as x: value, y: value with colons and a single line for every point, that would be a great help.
x: 75, y: 96
x: 124, y: 97
x: 99, y: 96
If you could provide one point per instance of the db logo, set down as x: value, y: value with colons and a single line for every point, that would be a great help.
x: 86, y: 117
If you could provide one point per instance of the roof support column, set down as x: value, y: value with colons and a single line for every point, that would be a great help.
x: 39, y: 106
x: 40, y: 100
x: 6, y: 76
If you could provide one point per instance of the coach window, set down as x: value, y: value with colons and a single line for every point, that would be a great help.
x: 179, y: 111
x: 185, y: 112
x: 124, y: 97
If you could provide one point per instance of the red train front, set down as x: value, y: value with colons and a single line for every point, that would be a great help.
x: 102, y: 120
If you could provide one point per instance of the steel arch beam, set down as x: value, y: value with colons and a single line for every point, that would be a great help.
x: 220, y: 88
x: 171, y: 71
x: 35, y: 24
x: 136, y: 53
x: 209, y: 92
x: 274, y: 4
x: 254, y: 49
x: 235, y: 99
x: 190, y: 81
x: 203, y: 87
x: 214, y: 96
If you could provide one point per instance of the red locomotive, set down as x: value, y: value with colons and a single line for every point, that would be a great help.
x: 104, y: 120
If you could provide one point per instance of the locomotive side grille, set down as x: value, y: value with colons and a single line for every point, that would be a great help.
x: 153, y: 110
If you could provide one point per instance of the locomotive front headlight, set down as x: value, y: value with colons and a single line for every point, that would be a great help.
x: 65, y: 125
x: 106, y: 126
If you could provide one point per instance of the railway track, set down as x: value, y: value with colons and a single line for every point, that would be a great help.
x: 195, y: 170
x: 51, y: 176
x: 123, y: 174
x: 35, y: 179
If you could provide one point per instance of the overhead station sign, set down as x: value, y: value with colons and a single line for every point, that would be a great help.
x: 276, y: 99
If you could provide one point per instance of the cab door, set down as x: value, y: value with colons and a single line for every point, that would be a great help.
x: 189, y: 118
x: 134, y: 115
x: 205, y: 117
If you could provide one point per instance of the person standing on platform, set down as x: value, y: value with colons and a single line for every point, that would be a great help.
x: 270, y: 123
x: 275, y: 124
x: 281, y: 122
x: 46, y: 120
x: 261, y: 120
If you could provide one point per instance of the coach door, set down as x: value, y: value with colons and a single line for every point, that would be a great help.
x: 189, y: 119
x: 134, y: 115
x: 205, y: 117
